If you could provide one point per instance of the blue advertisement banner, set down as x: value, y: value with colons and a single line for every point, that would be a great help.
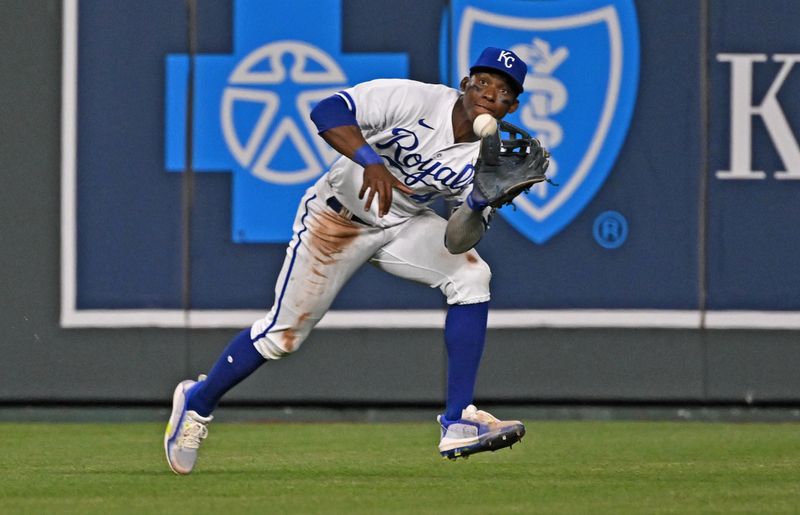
x: 663, y: 210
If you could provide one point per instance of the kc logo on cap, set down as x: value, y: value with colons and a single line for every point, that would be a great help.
x: 504, y: 61
x: 507, y: 57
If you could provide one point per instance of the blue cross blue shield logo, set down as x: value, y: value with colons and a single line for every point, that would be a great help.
x: 583, y: 62
x: 251, y: 108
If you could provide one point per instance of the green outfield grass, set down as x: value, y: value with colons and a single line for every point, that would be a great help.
x: 560, y: 467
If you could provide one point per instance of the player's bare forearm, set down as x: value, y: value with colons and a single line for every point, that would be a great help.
x: 465, y: 228
x: 345, y: 139
x: 377, y: 180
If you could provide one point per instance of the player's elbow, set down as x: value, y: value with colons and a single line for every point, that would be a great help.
x: 459, y: 245
x: 464, y: 230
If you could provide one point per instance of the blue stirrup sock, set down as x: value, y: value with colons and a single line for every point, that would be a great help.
x: 239, y: 359
x: 464, y: 337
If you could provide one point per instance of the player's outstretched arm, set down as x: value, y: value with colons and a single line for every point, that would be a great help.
x: 348, y: 141
x: 339, y: 128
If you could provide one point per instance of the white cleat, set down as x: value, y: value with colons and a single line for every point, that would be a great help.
x: 477, y: 431
x: 185, y: 431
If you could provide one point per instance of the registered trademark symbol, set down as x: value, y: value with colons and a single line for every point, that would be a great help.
x: 610, y: 229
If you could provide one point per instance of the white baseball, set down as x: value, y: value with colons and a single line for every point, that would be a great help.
x: 484, y: 125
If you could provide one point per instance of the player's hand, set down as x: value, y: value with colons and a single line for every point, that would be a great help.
x: 379, y: 181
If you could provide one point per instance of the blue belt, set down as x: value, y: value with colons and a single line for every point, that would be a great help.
x: 337, y: 206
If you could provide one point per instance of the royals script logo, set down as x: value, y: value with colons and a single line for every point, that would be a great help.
x: 251, y: 108
x: 580, y: 91
x: 399, y: 152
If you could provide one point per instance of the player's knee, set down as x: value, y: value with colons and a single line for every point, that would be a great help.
x: 278, y: 344
x: 470, y: 283
x: 275, y: 344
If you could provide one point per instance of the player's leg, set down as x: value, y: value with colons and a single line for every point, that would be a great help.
x: 464, y: 337
x: 417, y: 252
x: 324, y: 252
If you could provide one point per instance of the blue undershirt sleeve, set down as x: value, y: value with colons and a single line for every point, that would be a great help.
x: 332, y: 112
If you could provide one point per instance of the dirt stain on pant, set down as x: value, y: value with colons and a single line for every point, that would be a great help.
x: 330, y: 234
x: 289, y: 336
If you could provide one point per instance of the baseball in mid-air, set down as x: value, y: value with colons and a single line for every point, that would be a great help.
x: 484, y: 125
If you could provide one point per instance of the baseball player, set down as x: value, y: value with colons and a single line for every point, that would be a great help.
x: 403, y: 144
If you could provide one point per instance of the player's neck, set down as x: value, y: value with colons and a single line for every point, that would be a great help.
x: 462, y: 125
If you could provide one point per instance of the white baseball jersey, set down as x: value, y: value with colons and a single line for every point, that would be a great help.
x: 410, y: 125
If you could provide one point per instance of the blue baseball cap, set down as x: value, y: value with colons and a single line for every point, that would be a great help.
x: 503, y: 61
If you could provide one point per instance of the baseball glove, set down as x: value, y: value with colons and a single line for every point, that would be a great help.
x: 508, y: 167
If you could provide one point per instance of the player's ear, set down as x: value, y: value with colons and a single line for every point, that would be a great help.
x: 463, y: 85
x: 514, y: 106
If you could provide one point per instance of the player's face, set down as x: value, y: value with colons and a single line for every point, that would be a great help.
x: 486, y: 92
